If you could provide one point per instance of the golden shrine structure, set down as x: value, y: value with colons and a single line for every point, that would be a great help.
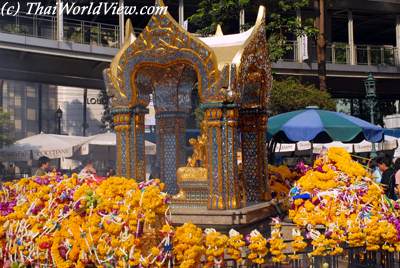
x: 233, y: 77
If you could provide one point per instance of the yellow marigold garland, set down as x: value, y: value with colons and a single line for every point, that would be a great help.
x: 277, y: 244
x: 236, y: 245
x: 215, y: 243
x: 188, y: 245
x: 298, y: 243
x: 257, y: 247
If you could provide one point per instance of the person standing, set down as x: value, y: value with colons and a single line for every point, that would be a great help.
x: 88, y: 169
x: 11, y: 170
x: 110, y: 172
x: 44, y: 163
x: 376, y: 173
x: 397, y: 177
x: 2, y: 169
x: 388, y: 176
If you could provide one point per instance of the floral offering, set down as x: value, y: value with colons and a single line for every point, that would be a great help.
x: 281, y: 179
x: 338, y: 196
x: 57, y: 221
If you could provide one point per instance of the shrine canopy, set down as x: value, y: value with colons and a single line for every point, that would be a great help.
x: 320, y: 126
x: 226, y: 47
x: 238, y: 62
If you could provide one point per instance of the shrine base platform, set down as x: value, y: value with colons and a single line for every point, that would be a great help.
x: 243, y: 220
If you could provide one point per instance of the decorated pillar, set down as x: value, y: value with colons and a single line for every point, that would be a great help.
x: 137, y: 139
x: 221, y: 122
x: 253, y: 124
x: 171, y: 139
x: 129, y: 129
x: 122, y: 119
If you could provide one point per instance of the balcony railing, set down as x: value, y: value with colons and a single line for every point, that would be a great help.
x: 77, y: 31
x: 340, y: 53
x: 107, y: 35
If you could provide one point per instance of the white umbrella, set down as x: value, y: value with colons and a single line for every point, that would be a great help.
x: 110, y: 139
x: 51, y: 145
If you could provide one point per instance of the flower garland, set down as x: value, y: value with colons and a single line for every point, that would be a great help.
x: 215, y: 247
x: 277, y: 243
x: 236, y: 246
x: 188, y: 249
x: 298, y: 243
x: 257, y: 247
x: 280, y: 180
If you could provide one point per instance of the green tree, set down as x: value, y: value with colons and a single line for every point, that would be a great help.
x: 281, y: 21
x: 289, y: 95
x: 213, y: 12
x: 5, y: 129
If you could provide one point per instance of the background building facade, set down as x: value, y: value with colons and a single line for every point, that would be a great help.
x: 50, y: 62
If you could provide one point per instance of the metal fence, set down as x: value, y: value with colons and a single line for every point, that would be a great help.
x: 107, y: 35
x: 340, y: 53
x: 376, y: 55
x: 77, y: 31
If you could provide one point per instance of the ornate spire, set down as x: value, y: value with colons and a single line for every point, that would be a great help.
x: 160, y: 3
x: 218, y: 31
x: 130, y: 38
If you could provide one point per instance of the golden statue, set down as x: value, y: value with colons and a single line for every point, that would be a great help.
x: 199, y: 149
x: 192, y: 179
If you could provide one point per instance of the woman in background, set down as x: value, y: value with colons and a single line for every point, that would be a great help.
x: 376, y: 173
x: 397, y: 177
x: 88, y: 169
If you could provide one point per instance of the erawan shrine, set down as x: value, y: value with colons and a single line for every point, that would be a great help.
x: 222, y: 206
x: 233, y: 77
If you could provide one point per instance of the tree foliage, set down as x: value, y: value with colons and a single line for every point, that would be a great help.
x: 5, y: 129
x: 289, y: 95
x: 281, y: 21
x: 213, y: 12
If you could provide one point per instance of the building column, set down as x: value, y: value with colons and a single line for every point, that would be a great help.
x: 129, y: 129
x: 40, y: 107
x: 397, y: 54
x: 121, y: 20
x: 221, y: 156
x: 299, y: 45
x: 60, y: 21
x: 171, y: 141
x: 181, y: 12
x: 84, y: 115
x: 350, y: 29
x: 242, y: 20
x: 253, y: 124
